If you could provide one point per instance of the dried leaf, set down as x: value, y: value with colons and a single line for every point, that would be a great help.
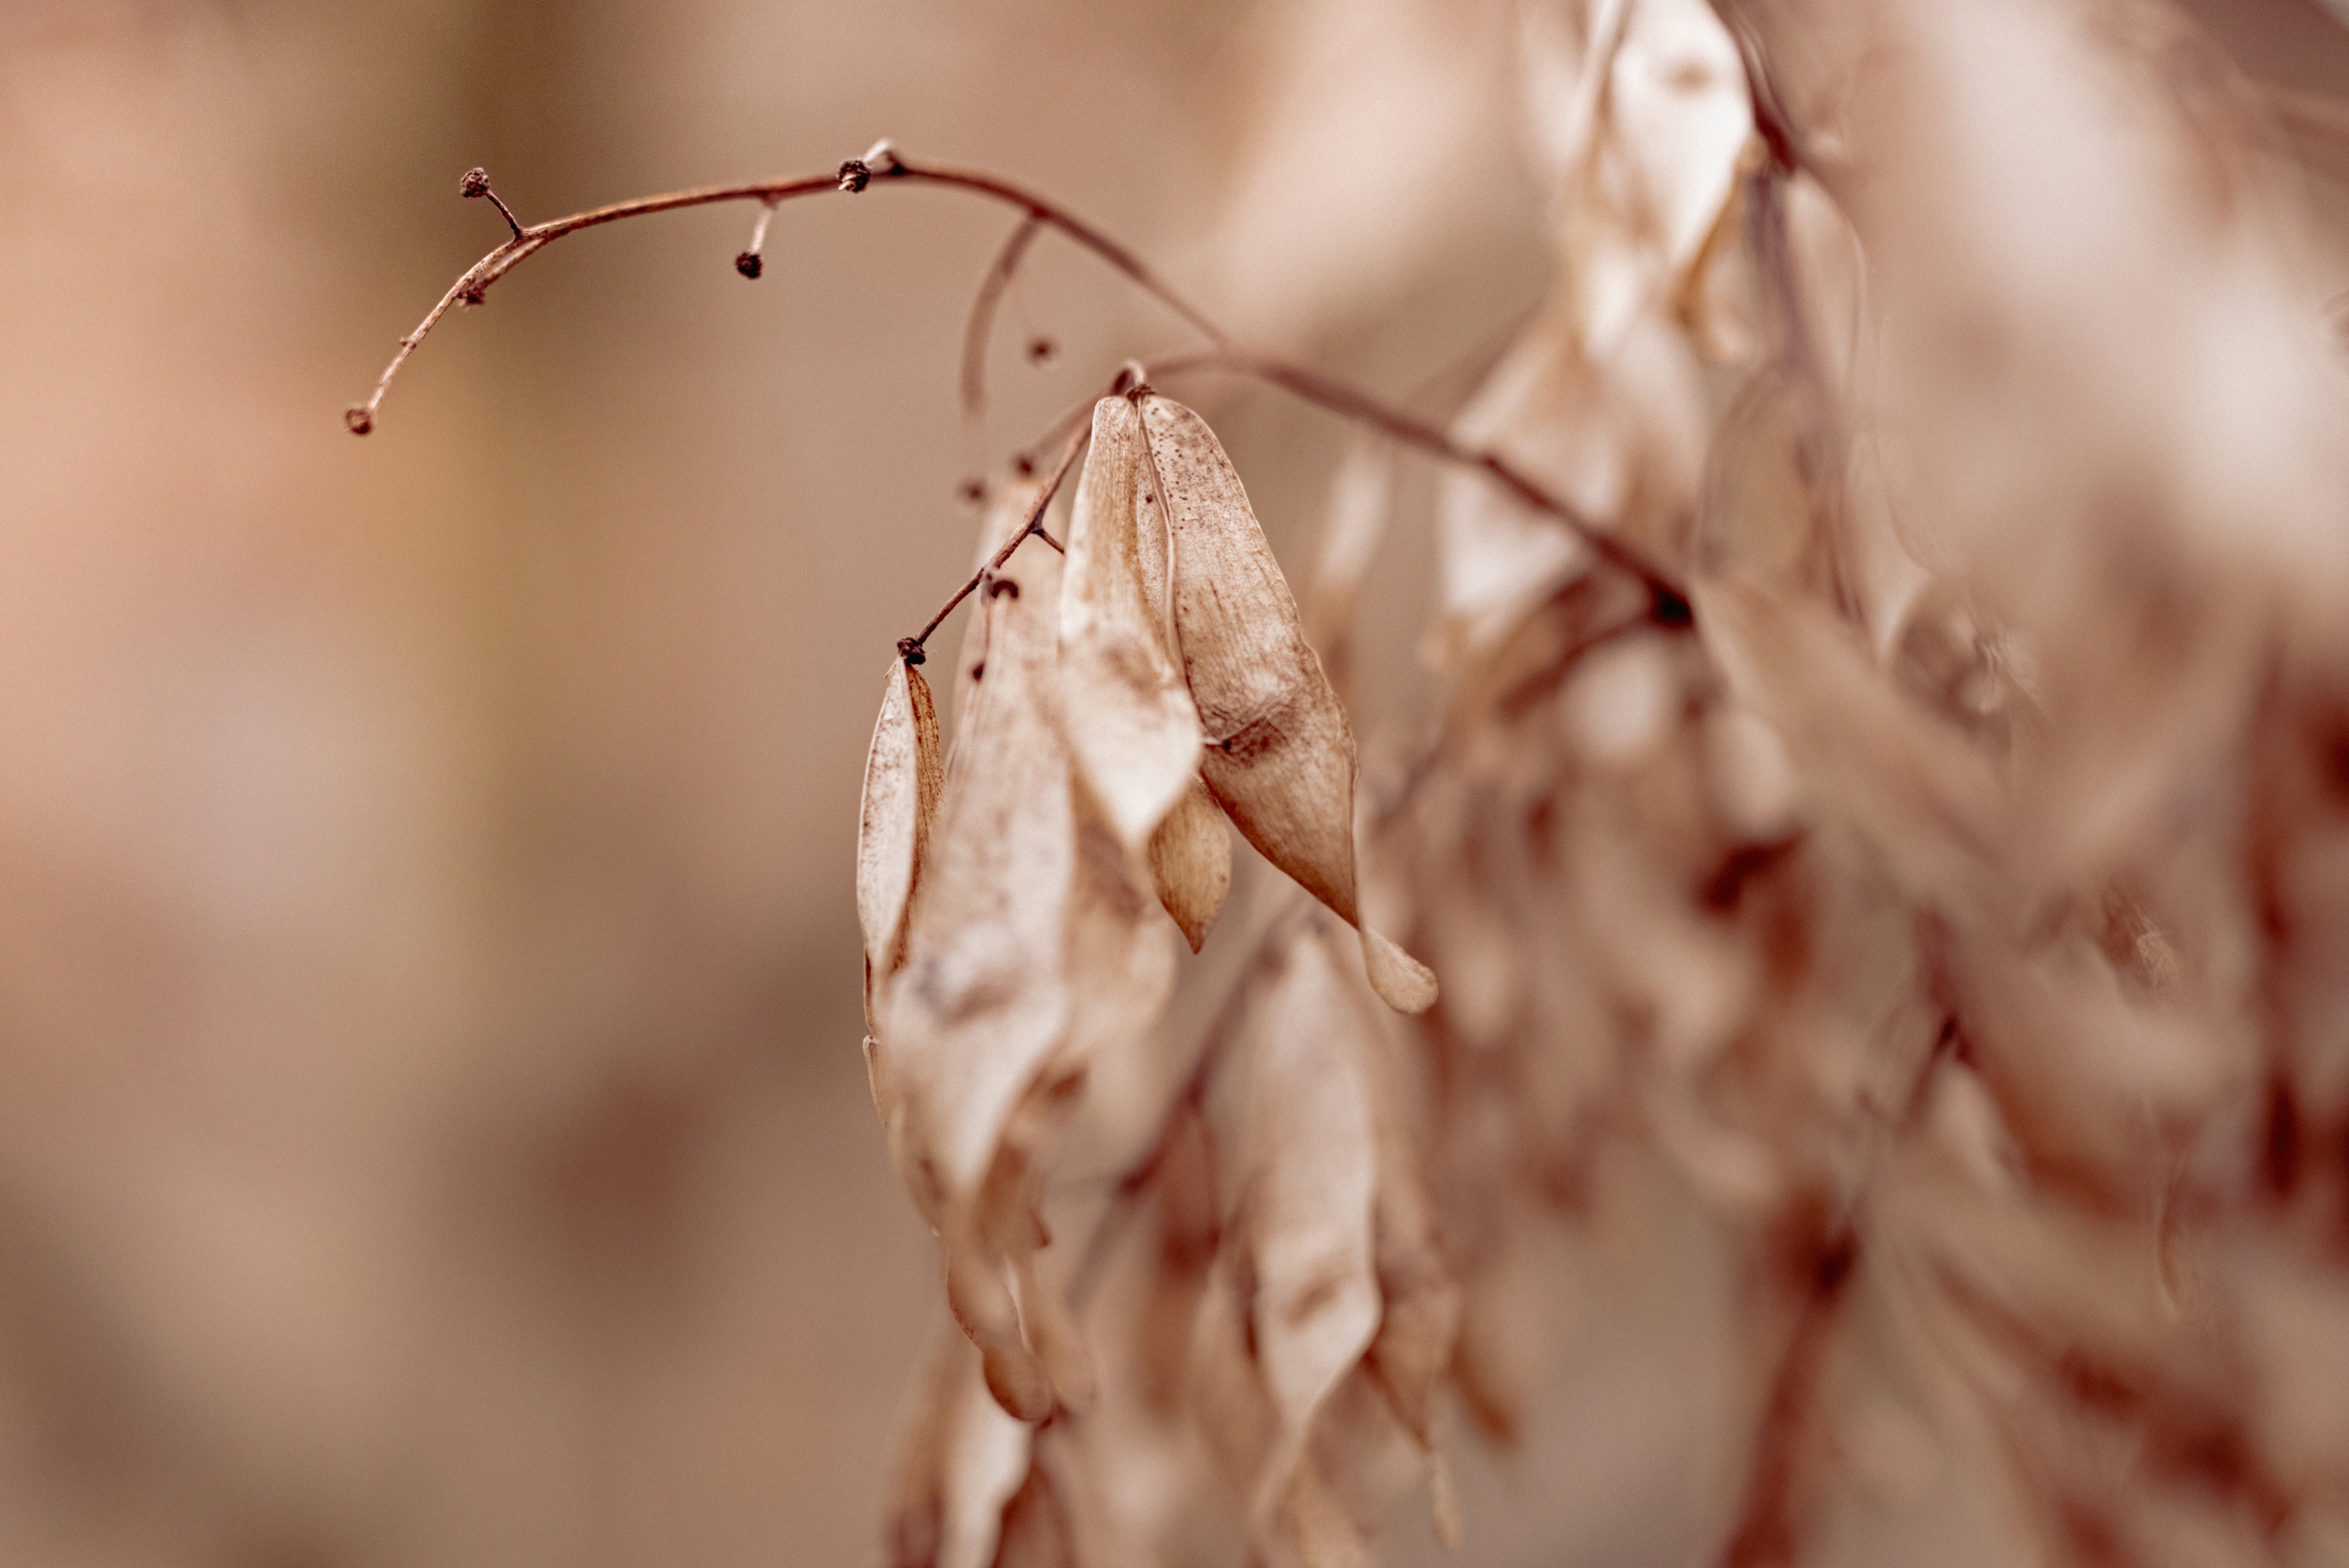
x: 960, y: 1457
x: 1129, y: 723
x: 904, y: 771
x: 1191, y: 862
x: 1037, y: 1530
x: 982, y: 1000
x: 1280, y: 756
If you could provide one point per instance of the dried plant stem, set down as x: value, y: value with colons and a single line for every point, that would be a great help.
x: 910, y: 649
x: 1671, y: 603
x: 883, y: 166
x: 980, y: 327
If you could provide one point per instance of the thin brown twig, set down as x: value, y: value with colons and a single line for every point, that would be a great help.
x: 980, y: 328
x: 910, y: 649
x: 1671, y: 603
x: 883, y: 165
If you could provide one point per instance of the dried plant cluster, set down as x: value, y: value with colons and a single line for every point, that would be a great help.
x: 1889, y: 808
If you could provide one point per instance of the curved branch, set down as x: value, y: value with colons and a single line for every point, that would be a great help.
x: 881, y: 166
x: 1671, y: 605
x: 910, y: 649
x: 980, y: 326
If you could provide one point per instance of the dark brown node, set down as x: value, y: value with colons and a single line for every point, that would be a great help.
x: 359, y: 417
x: 855, y: 175
x: 750, y: 264
x: 475, y: 184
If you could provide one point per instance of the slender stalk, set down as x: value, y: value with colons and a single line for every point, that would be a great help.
x: 1671, y: 603
x: 884, y: 166
x: 910, y: 649
x: 979, y: 327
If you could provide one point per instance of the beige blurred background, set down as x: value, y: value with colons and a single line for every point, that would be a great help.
x: 432, y: 1128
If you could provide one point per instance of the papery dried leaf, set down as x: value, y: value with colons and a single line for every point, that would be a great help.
x: 1129, y: 721
x: 958, y: 1460
x: 904, y: 771
x: 1309, y: 1180
x: 1121, y: 957
x: 982, y: 1001
x: 1292, y: 1301
x: 988, y: 1314
x: 1191, y: 862
x: 1037, y: 1530
x: 1421, y: 1316
x: 1281, y: 756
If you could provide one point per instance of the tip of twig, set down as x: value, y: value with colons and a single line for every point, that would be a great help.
x: 475, y: 184
x: 1133, y: 381
x: 855, y: 175
x: 750, y: 264
x: 359, y: 417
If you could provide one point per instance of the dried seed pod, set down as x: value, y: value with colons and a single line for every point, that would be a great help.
x: 1292, y: 1302
x: 903, y: 772
x: 959, y: 1461
x: 983, y: 1306
x: 1121, y: 956
x: 1281, y: 756
x: 1191, y: 862
x: 1129, y: 723
x: 981, y: 1000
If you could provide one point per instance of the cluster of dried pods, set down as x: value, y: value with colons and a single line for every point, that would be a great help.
x: 1886, y: 864
x: 1118, y: 706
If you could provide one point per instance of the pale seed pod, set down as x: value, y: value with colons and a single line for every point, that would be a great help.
x: 1279, y: 756
x: 1191, y: 862
x: 903, y: 771
x: 981, y: 999
x: 959, y: 1459
x: 1129, y: 723
x: 983, y: 1306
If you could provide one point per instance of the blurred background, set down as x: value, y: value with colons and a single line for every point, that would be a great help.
x: 432, y: 1128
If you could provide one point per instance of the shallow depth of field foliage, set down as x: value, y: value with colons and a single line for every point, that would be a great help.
x: 1894, y: 888
x: 1623, y: 841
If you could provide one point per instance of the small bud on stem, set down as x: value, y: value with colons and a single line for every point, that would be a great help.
x: 749, y: 263
x: 475, y: 185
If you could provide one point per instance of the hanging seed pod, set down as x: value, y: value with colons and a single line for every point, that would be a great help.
x: 903, y: 772
x: 1129, y: 723
x: 981, y: 1001
x: 1191, y: 862
x: 1281, y: 756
